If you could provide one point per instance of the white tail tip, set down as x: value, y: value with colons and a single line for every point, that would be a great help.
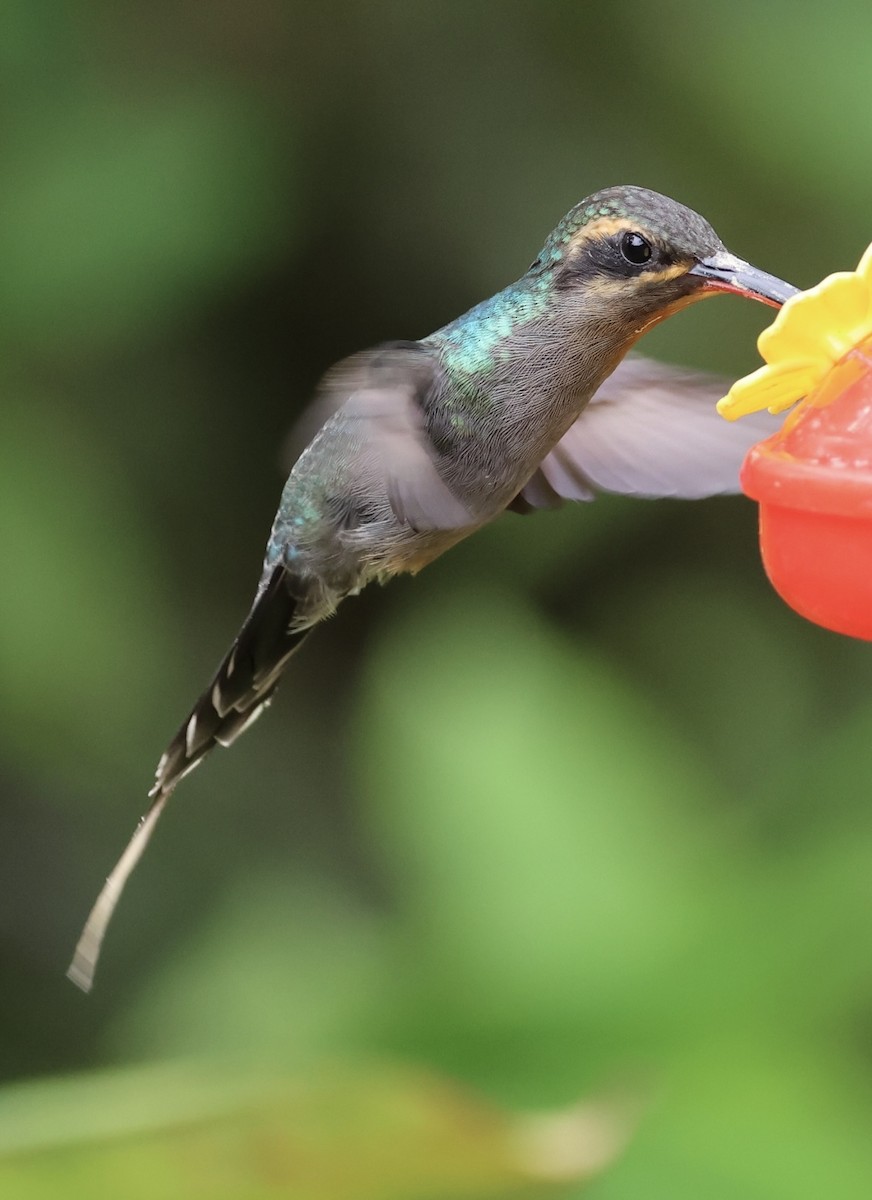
x: 81, y: 969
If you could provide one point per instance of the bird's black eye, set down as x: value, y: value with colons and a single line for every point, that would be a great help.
x: 635, y: 249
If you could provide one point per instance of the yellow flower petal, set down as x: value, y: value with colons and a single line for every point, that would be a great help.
x: 774, y: 387
x: 865, y: 266
x: 810, y: 334
x: 820, y: 322
x: 844, y: 315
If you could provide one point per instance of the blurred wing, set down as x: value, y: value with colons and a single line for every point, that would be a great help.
x: 650, y: 431
x: 384, y: 398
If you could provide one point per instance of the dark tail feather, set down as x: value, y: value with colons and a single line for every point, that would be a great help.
x: 243, y: 686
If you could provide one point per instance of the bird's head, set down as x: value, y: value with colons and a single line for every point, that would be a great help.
x: 633, y: 256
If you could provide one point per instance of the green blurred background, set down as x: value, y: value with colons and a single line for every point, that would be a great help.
x: 582, y: 813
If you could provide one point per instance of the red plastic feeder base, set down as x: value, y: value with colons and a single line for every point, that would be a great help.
x: 813, y: 481
x: 821, y: 566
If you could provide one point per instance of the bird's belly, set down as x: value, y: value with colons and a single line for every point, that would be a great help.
x: 416, y: 552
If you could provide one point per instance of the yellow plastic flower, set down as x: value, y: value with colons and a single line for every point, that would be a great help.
x: 811, y: 333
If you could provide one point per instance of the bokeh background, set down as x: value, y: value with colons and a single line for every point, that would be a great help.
x: 576, y: 823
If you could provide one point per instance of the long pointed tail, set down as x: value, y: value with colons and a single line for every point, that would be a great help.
x: 242, y: 687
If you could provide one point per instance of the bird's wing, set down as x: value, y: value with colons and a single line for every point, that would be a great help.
x: 386, y: 403
x: 650, y: 431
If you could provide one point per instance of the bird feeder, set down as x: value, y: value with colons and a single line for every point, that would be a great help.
x: 813, y: 479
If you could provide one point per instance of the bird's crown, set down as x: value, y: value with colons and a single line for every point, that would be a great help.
x: 684, y: 231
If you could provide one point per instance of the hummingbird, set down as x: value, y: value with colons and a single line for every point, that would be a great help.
x: 523, y: 402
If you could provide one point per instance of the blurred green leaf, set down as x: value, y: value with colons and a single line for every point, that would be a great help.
x: 539, y: 820
x: 346, y: 1135
x: 768, y: 1119
x: 282, y: 971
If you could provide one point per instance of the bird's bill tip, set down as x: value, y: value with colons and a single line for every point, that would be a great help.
x: 724, y: 272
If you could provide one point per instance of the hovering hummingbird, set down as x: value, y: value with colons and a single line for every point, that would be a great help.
x: 518, y: 404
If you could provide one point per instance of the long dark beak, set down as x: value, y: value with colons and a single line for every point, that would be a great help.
x: 724, y: 272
